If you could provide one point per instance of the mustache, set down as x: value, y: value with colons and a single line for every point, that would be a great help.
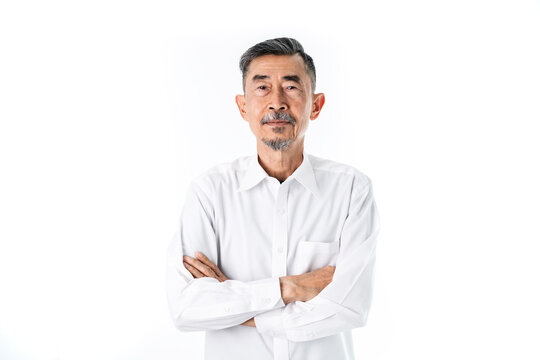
x: 283, y: 116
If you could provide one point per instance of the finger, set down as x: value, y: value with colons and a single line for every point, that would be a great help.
x: 196, y: 273
x: 209, y: 263
x: 205, y: 269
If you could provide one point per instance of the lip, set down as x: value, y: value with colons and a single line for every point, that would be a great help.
x: 278, y: 123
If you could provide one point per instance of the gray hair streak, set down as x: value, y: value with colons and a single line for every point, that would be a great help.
x: 278, y: 46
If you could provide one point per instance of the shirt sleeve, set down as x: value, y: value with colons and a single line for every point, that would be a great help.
x: 205, y: 303
x: 345, y: 302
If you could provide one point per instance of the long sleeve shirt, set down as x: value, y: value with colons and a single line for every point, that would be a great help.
x: 256, y: 229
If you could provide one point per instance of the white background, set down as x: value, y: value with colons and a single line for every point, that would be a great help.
x: 109, y: 108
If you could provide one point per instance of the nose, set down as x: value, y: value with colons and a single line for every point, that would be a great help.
x: 277, y: 102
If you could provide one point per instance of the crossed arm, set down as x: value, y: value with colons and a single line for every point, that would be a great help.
x: 303, y: 307
x: 302, y: 287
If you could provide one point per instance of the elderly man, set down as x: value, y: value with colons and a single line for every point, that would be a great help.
x: 275, y: 252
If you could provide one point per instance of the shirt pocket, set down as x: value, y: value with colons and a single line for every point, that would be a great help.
x: 312, y: 255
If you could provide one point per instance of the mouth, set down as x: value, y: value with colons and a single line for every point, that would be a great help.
x: 277, y: 123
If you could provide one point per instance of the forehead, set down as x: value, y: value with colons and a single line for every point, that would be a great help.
x: 277, y: 65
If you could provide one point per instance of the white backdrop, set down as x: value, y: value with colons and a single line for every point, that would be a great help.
x: 109, y: 108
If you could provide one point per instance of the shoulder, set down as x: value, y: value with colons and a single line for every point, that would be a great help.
x: 220, y: 176
x: 325, y: 168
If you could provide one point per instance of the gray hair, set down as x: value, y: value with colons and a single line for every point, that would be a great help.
x: 277, y: 144
x: 278, y: 46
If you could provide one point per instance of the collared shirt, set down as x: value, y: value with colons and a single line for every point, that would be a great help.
x: 256, y: 229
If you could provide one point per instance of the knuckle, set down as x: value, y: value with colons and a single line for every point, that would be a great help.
x: 196, y: 263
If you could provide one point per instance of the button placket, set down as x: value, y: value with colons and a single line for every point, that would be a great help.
x: 279, y: 256
x: 280, y: 231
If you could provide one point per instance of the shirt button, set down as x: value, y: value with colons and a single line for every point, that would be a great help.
x: 227, y: 310
x: 280, y: 249
x: 281, y: 211
x: 266, y: 300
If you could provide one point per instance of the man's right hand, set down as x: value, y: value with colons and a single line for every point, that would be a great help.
x: 306, y: 286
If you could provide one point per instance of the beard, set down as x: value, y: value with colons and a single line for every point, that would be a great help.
x: 278, y: 144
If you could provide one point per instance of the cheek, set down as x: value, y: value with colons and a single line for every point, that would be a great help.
x: 308, y: 109
x: 254, y: 112
x: 255, y: 124
x: 302, y: 116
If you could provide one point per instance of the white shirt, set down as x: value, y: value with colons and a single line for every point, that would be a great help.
x: 256, y: 229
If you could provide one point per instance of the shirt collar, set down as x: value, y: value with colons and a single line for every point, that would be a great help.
x: 303, y: 174
x: 253, y: 174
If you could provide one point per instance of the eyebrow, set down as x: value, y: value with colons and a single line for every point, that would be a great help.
x: 294, y: 78
x: 259, y: 77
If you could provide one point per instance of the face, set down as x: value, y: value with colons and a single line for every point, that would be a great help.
x: 278, y: 102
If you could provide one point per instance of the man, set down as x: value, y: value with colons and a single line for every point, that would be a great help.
x: 275, y: 252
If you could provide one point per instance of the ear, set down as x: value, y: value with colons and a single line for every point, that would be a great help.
x: 241, y: 103
x: 316, y: 106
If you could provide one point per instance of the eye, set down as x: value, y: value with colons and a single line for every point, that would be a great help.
x: 262, y: 87
x: 291, y: 87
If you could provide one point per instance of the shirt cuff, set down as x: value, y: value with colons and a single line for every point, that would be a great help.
x: 266, y: 294
x: 271, y: 323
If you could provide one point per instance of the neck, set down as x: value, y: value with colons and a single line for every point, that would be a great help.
x: 280, y: 164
